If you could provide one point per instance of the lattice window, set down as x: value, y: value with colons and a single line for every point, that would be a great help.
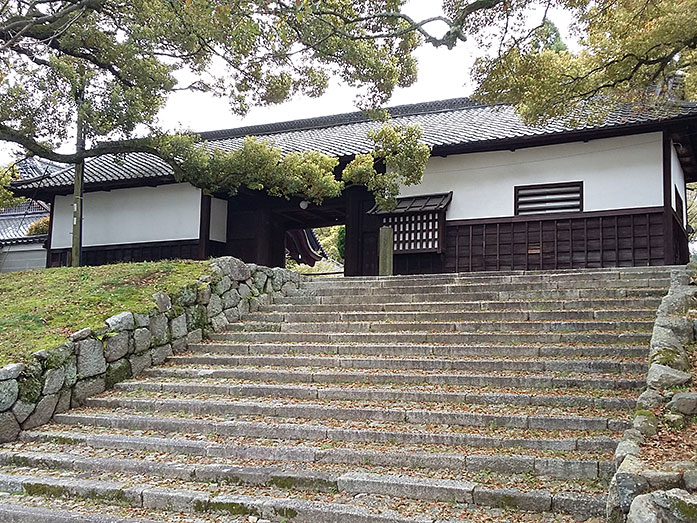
x: 549, y: 198
x: 415, y: 232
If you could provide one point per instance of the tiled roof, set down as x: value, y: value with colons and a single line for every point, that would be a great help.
x: 33, y: 167
x: 15, y: 221
x: 418, y: 204
x: 447, y: 123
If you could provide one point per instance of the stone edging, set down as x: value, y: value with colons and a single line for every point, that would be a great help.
x: 638, y: 493
x: 93, y: 361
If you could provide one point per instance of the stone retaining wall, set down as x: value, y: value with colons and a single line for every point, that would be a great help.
x: 93, y: 361
x: 638, y: 492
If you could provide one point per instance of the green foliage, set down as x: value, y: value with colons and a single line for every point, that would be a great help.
x: 7, y: 199
x: 405, y: 158
x: 341, y: 242
x: 629, y: 52
x: 329, y: 237
x: 39, y: 308
x: 40, y: 226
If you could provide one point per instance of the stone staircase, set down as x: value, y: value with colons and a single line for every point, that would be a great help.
x: 469, y: 397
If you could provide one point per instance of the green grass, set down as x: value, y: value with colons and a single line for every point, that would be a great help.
x: 39, y: 308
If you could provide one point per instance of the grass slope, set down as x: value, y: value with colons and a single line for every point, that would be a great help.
x: 38, y: 309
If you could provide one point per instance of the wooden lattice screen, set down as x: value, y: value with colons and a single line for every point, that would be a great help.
x: 416, y: 232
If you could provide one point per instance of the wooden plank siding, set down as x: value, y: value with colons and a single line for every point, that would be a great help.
x: 622, y: 238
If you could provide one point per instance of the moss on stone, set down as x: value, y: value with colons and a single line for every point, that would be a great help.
x: 58, y: 357
x: 647, y: 414
x: 30, y: 389
x: 64, y: 440
x: 117, y: 372
x: 237, y: 509
x: 686, y: 511
x: 197, y: 318
x: 288, y: 513
x: 46, y: 491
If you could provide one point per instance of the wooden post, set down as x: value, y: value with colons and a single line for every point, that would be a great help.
x: 386, y: 252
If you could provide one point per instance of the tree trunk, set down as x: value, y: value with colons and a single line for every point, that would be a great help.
x: 76, y: 258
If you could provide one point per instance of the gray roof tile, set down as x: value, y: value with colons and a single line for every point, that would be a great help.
x: 456, y: 122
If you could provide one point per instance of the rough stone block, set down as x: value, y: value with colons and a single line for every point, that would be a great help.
x: 203, y: 295
x: 534, y: 500
x: 53, y: 380
x: 11, y: 371
x: 159, y: 329
x: 116, y: 346
x: 43, y: 412
x: 215, y: 306
x: 162, y: 301
x: 9, y: 392
x: 175, y: 500
x: 63, y: 404
x: 80, y: 335
x: 661, y: 377
x: 142, y: 321
x: 142, y: 339
x: 71, y: 372
x: 690, y: 480
x: 139, y: 362
x: 231, y: 298
x: 650, y: 399
x: 179, y: 346
x: 90, y: 358
x: 160, y: 354
x: 684, y: 403
x: 117, y: 372
x: 177, y: 327
x: 219, y: 323
x: 662, y: 480
x: 578, y: 504
x: 121, y: 322
x: 401, y: 486
x: 195, y: 336
x: 222, y: 286
x: 86, y: 388
x: 9, y: 428
x: 22, y: 410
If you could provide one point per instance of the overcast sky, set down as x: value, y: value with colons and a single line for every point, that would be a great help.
x: 442, y: 74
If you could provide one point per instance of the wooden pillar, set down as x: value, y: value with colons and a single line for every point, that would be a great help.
x: 386, y: 252
x: 204, y: 227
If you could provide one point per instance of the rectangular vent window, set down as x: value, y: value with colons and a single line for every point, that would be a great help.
x: 549, y: 198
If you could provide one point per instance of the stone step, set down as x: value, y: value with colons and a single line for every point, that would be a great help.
x: 308, y: 410
x: 429, y: 364
x: 501, y: 379
x: 461, y: 295
x: 12, y: 513
x: 423, y: 350
x: 201, y: 387
x: 603, y: 275
x: 478, y: 305
x: 315, y: 432
x: 458, y: 338
x: 260, y: 505
x: 453, y: 316
x: 465, y: 287
x: 444, y: 326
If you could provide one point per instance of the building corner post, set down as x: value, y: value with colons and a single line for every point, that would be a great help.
x: 386, y: 252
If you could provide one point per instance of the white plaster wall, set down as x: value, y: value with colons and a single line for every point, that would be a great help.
x: 22, y: 257
x: 622, y: 172
x: 218, y: 220
x: 134, y: 215
x: 678, y: 180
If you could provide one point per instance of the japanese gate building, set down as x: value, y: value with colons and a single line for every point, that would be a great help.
x: 496, y: 195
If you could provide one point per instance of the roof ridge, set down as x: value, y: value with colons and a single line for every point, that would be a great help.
x: 323, y: 122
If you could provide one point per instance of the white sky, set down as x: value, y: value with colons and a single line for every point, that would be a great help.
x: 442, y: 74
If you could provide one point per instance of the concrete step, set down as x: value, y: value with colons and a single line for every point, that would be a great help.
x: 459, y: 338
x: 565, y: 468
x: 355, y: 393
x: 500, y: 379
x: 493, y: 295
x: 444, y: 326
x: 504, y: 437
x: 429, y: 364
x: 424, y: 350
x: 553, y: 304
x: 15, y: 513
x: 453, y: 316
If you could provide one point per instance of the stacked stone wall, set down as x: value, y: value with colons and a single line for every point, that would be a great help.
x: 89, y: 362
x: 640, y: 492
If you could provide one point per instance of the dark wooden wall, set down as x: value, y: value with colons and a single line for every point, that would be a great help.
x: 136, y: 252
x: 621, y: 238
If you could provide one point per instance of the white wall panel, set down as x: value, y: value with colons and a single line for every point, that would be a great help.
x: 134, y: 215
x: 618, y: 173
x: 678, y: 179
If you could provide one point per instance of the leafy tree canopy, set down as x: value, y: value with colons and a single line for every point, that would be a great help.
x: 114, y: 63
x: 7, y: 199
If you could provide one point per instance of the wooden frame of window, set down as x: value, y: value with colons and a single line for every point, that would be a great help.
x: 679, y: 209
x: 563, y: 197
